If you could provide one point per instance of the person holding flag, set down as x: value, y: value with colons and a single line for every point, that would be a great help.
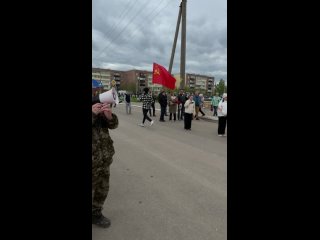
x: 162, y: 98
x: 163, y: 77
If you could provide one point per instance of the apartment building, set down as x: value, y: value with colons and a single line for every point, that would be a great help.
x: 202, y: 83
x: 106, y: 76
x: 136, y: 80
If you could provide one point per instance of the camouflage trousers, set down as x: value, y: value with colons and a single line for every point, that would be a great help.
x: 100, y: 188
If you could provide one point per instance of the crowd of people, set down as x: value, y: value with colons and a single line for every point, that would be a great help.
x: 181, y: 106
x: 177, y: 107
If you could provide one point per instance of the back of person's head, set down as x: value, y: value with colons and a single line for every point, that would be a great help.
x: 146, y: 90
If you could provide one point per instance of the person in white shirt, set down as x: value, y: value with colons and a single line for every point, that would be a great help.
x: 222, y: 115
x: 189, y: 108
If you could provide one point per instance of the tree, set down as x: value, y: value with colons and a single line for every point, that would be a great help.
x: 187, y: 89
x: 220, y: 88
x: 130, y: 87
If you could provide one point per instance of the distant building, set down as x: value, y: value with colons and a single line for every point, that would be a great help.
x: 135, y: 81
x: 106, y: 76
x: 198, y: 82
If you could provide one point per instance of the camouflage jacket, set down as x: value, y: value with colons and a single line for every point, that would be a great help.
x: 102, y: 144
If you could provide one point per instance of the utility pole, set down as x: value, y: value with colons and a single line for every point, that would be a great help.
x: 181, y: 18
x: 175, y: 39
x: 183, y: 44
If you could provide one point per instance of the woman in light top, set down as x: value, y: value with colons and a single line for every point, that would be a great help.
x: 188, y: 112
x: 222, y: 115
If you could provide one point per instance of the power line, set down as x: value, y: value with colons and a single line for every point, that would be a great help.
x: 151, y: 19
x: 148, y: 16
x: 152, y: 11
x: 144, y: 5
x: 121, y: 19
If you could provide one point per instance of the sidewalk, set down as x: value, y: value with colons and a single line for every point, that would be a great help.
x: 209, y: 115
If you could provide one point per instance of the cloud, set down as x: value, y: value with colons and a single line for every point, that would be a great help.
x: 134, y: 34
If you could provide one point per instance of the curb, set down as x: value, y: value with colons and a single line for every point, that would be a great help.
x: 209, y: 119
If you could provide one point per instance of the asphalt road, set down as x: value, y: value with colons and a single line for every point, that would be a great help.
x: 166, y: 182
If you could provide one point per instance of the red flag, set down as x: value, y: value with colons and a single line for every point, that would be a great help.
x: 163, y: 77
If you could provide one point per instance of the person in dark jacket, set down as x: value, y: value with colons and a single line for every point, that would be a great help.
x: 163, y: 104
x: 128, y: 103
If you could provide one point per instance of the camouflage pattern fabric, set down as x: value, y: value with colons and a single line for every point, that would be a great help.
x: 102, y: 153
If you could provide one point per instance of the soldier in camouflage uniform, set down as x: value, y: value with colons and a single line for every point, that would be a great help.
x: 102, y: 153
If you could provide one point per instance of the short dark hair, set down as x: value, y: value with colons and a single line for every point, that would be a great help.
x: 146, y: 90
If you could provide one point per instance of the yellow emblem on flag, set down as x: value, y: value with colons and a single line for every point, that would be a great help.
x: 157, y: 71
x: 113, y: 83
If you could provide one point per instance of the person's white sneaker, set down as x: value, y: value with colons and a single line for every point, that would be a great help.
x: 220, y: 135
x: 141, y: 125
x: 151, y: 123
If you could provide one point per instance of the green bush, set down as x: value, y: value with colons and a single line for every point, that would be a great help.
x: 134, y: 99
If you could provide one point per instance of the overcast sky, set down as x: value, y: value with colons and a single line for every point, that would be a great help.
x: 129, y: 34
